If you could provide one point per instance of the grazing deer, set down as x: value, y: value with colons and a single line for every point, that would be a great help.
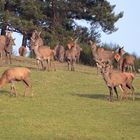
x: 22, y: 51
x: 114, y: 79
x: 43, y: 53
x: 15, y: 74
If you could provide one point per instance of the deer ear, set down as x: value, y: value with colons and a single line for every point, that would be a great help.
x: 32, y: 39
x: 71, y: 39
x: 90, y: 41
x: 39, y: 33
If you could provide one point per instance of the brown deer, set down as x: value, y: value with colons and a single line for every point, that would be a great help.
x: 79, y: 49
x: 2, y: 45
x: 127, y: 63
x: 15, y: 74
x: 100, y: 53
x: 8, y: 49
x: 36, y: 36
x: 114, y: 79
x: 71, y: 54
x: 22, y: 51
x: 59, y: 51
x: 42, y: 53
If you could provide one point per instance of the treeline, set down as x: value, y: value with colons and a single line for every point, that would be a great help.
x: 56, y: 19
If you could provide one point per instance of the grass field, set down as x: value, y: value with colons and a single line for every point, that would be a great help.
x: 67, y: 106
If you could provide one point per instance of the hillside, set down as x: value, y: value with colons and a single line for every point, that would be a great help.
x: 67, y: 106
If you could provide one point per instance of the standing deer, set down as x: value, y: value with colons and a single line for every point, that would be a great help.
x: 42, y: 53
x: 22, y: 51
x: 79, y: 49
x: 71, y: 55
x: 100, y: 53
x: 4, y: 41
x: 114, y: 79
x: 2, y: 45
x: 8, y: 49
x: 105, y: 55
x: 59, y: 52
x: 127, y: 62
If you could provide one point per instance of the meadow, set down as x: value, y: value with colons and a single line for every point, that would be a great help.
x: 67, y: 106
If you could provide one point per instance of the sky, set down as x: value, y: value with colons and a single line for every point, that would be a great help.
x: 128, y: 31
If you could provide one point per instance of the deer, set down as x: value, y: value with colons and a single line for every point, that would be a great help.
x: 4, y: 41
x: 36, y: 36
x: 8, y: 49
x: 79, y: 49
x: 22, y: 51
x: 71, y: 54
x: 11, y: 75
x: 127, y: 62
x: 43, y: 54
x: 59, y: 52
x: 2, y: 45
x: 114, y: 79
x: 100, y: 53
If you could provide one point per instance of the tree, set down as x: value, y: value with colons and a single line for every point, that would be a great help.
x: 56, y: 18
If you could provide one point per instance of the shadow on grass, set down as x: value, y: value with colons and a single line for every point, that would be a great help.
x: 137, y: 96
x: 106, y: 97
x: 92, y: 96
x: 4, y: 92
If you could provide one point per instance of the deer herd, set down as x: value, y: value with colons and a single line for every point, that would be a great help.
x: 121, y: 77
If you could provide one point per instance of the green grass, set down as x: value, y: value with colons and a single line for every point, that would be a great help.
x: 67, y: 106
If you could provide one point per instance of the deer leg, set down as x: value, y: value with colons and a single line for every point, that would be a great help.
x: 13, y: 89
x: 10, y: 58
x: 42, y: 65
x: 129, y: 85
x: 49, y: 64
x: 111, y: 93
x: 115, y: 89
x: 68, y: 65
x: 124, y: 93
x: 1, y: 55
x: 27, y: 86
x: 133, y: 67
x: 37, y: 64
x: 6, y: 57
x: 72, y: 65
x: 53, y: 65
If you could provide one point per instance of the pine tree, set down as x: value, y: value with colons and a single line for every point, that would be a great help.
x: 56, y: 18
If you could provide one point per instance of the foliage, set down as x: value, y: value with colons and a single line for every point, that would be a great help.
x: 56, y: 19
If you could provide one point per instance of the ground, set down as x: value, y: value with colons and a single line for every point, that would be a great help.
x: 67, y: 106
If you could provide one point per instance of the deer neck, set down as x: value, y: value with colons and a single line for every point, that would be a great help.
x: 36, y: 50
x: 107, y: 78
x: 3, y: 82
